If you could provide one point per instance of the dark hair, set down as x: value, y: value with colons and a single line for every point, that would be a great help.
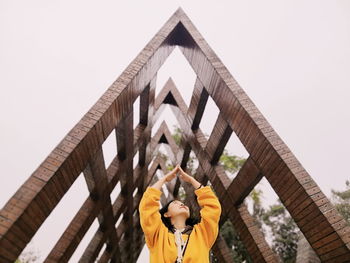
x: 191, y: 221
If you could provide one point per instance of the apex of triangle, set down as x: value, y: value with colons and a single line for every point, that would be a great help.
x: 180, y: 10
x: 181, y: 13
x: 163, y: 125
x: 170, y: 81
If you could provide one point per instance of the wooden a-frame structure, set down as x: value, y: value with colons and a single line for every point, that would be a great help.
x: 80, y: 153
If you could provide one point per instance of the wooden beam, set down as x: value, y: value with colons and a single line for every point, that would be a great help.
x: 96, y: 178
x: 125, y: 149
x: 197, y: 105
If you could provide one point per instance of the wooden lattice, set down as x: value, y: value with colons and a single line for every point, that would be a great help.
x: 80, y: 153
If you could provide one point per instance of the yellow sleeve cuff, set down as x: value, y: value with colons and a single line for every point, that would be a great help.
x: 203, y: 189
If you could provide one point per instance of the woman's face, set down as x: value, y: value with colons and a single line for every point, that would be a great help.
x: 176, y: 208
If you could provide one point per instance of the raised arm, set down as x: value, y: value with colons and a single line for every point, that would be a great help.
x: 210, y: 209
x: 210, y: 214
x: 150, y: 218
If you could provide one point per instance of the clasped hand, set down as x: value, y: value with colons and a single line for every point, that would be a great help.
x: 183, y: 175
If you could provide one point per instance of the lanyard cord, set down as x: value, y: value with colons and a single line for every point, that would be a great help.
x: 181, y: 246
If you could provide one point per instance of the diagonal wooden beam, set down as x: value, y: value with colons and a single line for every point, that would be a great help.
x: 96, y: 178
x: 112, y: 252
x: 218, y: 139
x: 66, y: 245
x: 147, y: 98
x: 197, y: 105
x: 244, y: 182
x: 125, y: 142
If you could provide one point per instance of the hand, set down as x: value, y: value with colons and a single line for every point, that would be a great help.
x: 185, y: 177
x: 172, y: 174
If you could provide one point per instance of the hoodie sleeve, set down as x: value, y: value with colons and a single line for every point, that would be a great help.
x: 210, y: 214
x: 150, y: 218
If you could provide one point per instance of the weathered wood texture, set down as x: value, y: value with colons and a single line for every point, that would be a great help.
x: 80, y: 153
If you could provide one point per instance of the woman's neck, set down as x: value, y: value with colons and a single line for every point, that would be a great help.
x: 179, y: 222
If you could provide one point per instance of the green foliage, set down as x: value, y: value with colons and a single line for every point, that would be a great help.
x: 231, y: 163
x: 177, y: 134
x: 342, y: 202
x: 233, y: 241
x: 258, y: 211
x: 29, y: 256
x: 284, y: 232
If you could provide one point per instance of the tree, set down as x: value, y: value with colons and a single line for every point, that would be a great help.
x: 284, y: 232
x: 231, y: 163
x: 341, y: 200
x: 276, y: 224
x: 28, y: 256
x: 233, y: 241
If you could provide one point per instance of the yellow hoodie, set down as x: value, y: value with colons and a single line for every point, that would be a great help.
x: 161, y: 242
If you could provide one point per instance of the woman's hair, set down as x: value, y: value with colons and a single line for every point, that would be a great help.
x: 167, y: 222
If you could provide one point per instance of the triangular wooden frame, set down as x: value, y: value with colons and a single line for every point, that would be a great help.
x: 81, y: 152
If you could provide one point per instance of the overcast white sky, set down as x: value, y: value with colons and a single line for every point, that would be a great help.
x: 58, y: 57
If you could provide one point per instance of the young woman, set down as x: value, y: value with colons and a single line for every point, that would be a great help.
x: 171, y: 234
